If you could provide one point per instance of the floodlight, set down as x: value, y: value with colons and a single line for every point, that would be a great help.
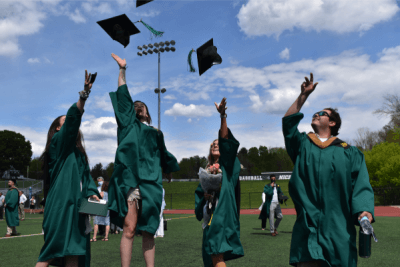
x: 162, y: 49
x: 139, y: 47
x: 156, y: 90
x: 145, y: 52
x: 173, y: 49
x: 150, y: 45
x: 163, y: 90
x: 145, y: 46
x: 161, y: 44
x: 150, y: 51
x: 156, y: 50
x: 167, y: 49
x: 139, y: 53
x: 156, y: 44
x: 167, y: 43
x: 172, y: 42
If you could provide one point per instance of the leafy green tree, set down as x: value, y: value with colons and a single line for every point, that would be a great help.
x: 97, y: 171
x: 383, y: 164
x: 35, y: 168
x: 110, y: 169
x: 14, y: 151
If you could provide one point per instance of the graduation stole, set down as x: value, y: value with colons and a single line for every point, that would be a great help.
x: 334, y: 141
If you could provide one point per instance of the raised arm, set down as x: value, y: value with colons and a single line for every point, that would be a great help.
x: 122, y: 69
x: 83, y: 95
x: 306, y: 89
x: 221, y: 109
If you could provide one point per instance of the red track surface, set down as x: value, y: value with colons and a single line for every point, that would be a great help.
x: 379, y: 211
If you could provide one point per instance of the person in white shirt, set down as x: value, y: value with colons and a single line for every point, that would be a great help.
x: 21, y: 209
x: 270, y: 207
x: 32, y: 205
x: 160, y: 230
x: 2, y: 201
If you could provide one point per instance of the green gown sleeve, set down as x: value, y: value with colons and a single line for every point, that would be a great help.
x: 12, y: 199
x: 200, y: 201
x: 269, y: 192
x: 168, y: 161
x: 293, y: 138
x: 125, y: 113
x: 228, y: 150
x: 69, y: 131
x: 362, y: 196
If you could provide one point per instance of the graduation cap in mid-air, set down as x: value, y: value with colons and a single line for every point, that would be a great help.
x: 119, y: 28
x: 142, y: 2
x: 207, y: 56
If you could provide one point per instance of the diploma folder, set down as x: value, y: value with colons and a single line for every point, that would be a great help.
x: 93, y: 207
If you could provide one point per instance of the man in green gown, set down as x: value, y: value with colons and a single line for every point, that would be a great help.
x: 329, y: 187
x: 11, y: 204
x: 135, y: 190
x: 221, y: 237
x: 271, y: 209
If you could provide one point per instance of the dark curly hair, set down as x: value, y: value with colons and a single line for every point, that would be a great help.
x: 336, y: 118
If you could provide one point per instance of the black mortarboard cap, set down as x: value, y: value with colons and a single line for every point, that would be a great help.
x: 119, y: 28
x: 207, y: 56
x: 142, y: 2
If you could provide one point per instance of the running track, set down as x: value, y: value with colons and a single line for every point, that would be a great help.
x: 379, y: 211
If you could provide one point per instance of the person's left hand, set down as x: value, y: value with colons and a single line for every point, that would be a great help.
x: 221, y: 108
x: 366, y: 213
x: 88, y: 85
x: 95, y: 197
x: 169, y: 176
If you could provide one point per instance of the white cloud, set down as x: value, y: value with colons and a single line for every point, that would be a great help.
x: 345, y: 79
x: 103, y: 102
x: 191, y: 110
x: 76, y: 16
x: 189, y: 120
x: 33, y: 60
x: 170, y: 97
x: 284, y: 54
x: 230, y: 90
x: 148, y: 14
x: 102, y: 8
x: 18, y: 18
x: 260, y: 17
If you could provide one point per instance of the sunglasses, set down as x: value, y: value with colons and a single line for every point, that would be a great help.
x: 321, y: 113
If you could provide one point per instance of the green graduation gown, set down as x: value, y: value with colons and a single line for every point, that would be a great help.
x: 222, y: 235
x: 64, y: 227
x: 11, y: 200
x: 269, y: 193
x: 329, y: 187
x: 140, y: 159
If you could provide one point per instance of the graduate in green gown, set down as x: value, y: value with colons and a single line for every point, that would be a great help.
x: 221, y: 236
x: 11, y: 202
x: 329, y: 186
x: 135, y: 190
x: 267, y: 197
x: 66, y: 231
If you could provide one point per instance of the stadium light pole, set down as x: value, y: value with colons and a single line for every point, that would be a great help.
x: 159, y: 48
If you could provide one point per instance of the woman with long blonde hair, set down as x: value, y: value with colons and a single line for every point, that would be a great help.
x: 221, y: 234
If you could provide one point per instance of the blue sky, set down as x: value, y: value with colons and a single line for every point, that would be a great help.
x: 267, y: 47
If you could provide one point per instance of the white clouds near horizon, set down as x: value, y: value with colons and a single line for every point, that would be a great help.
x: 191, y: 110
x: 285, y: 54
x: 271, y: 18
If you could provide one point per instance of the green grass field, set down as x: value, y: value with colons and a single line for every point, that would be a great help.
x: 181, y: 245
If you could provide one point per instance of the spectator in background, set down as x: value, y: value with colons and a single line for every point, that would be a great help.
x: 21, y: 210
x: 11, y: 205
x: 101, y: 229
x: 32, y: 205
x: 99, y: 220
x: 1, y: 205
